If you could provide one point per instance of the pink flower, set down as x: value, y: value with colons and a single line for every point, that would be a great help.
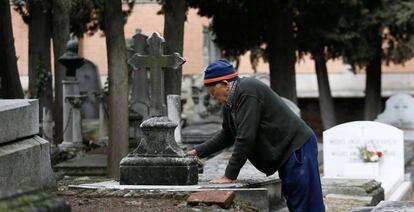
x: 379, y: 154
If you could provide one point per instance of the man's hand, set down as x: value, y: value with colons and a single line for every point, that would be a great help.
x: 221, y: 180
x: 192, y: 152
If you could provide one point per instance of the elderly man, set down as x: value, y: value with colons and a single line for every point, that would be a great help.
x: 266, y: 132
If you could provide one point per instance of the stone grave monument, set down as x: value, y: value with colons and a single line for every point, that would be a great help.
x: 24, y: 156
x: 72, y: 61
x: 89, y: 83
x: 399, y: 112
x: 139, y: 104
x: 157, y: 160
x: 367, y: 150
x: 25, y: 168
x: 103, y: 117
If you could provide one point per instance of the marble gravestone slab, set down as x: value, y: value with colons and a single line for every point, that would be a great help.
x: 342, y: 158
x: 19, y: 119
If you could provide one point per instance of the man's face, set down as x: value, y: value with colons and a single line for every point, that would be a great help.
x: 220, y: 92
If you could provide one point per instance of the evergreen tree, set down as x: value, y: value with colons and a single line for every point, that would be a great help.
x: 385, y: 34
x: 10, y: 87
x: 240, y: 26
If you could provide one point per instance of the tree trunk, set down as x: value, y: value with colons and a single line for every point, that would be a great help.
x: 60, y: 35
x: 282, y: 53
x: 174, y: 17
x: 373, y: 103
x: 40, y: 76
x: 10, y: 87
x: 325, y: 98
x: 118, y: 86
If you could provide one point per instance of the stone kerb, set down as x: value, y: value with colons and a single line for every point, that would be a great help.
x: 20, y: 118
x: 389, y: 206
x: 343, y: 159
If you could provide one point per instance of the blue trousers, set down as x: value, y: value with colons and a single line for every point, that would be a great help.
x: 301, y: 183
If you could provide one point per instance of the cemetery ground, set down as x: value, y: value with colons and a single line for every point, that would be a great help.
x: 129, y: 200
x: 101, y: 200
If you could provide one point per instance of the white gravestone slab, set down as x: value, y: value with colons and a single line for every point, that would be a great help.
x: 342, y: 158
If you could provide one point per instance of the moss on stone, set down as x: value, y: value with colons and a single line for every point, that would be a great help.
x: 26, y: 202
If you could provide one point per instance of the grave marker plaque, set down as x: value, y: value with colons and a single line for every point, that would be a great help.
x: 343, y: 159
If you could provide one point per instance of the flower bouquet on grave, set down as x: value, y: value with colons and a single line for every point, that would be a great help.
x: 370, y: 155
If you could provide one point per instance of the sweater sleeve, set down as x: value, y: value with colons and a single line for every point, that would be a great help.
x: 247, y: 120
x: 218, y: 142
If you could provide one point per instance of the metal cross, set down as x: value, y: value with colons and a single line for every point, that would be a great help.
x: 155, y: 61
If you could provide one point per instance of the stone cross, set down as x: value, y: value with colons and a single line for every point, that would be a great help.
x: 155, y: 61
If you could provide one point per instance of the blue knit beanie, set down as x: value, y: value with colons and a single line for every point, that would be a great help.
x: 219, y: 71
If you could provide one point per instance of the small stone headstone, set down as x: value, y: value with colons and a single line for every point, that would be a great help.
x: 399, y: 112
x: 343, y: 158
x: 139, y: 104
x: 140, y: 100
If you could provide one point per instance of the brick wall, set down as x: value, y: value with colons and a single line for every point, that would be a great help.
x: 144, y: 16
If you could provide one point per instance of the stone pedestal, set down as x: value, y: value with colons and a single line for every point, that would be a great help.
x: 103, y: 123
x: 70, y: 87
x: 75, y: 144
x: 158, y: 160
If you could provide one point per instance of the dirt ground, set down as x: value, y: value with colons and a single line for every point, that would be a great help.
x: 121, y: 204
x: 123, y: 201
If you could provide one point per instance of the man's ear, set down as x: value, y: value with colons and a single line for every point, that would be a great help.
x: 225, y: 82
